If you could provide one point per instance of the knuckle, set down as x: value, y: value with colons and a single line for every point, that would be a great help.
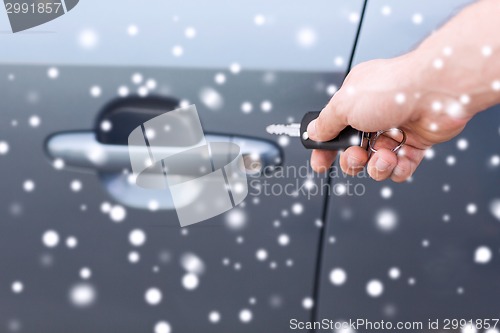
x: 376, y: 174
x: 322, y: 125
x: 402, y: 172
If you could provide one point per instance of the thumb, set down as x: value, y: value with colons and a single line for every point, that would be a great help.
x: 328, y: 125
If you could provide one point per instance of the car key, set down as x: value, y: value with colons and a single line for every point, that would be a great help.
x: 347, y: 138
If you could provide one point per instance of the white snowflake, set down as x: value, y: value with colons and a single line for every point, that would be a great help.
x: 82, y: 295
x: 261, y: 254
x: 88, y: 39
x: 17, y: 287
x: 486, y: 50
x: 386, y: 10
x: 246, y: 107
x: 71, y: 242
x: 211, y: 98
x: 308, y: 303
x: 483, y: 255
x: 495, y: 160
x: 259, y: 19
x: 387, y: 220
x: 53, y: 73
x: 236, y: 219
x: 190, y: 281
x: 76, y: 185
x: 235, y: 68
x: 374, y: 288
x: 153, y: 296
x: 400, y: 98
x: 134, y: 257
x: 177, y: 51
x: 137, y: 237
x: 95, y: 91
x: 50, y: 238
x: 394, y: 273
x: 85, y: 273
x: 246, y: 316
x: 106, y: 125
x: 162, y: 327
x: 283, y: 239
x: 306, y: 37
x: 338, y: 276
x: 462, y: 144
x: 117, y: 213
x: 132, y: 30
x: 495, y: 85
x: 4, y: 147
x: 266, y: 106
x: 297, y: 208
x: 471, y: 208
x: 495, y: 208
x: 214, y: 317
x: 190, y: 32
x: 417, y: 18
x: 34, y: 121
x: 386, y: 192
x: 220, y: 78
x: 137, y: 78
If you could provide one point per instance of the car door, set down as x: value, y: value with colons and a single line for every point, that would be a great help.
x: 428, y: 248
x: 83, y: 249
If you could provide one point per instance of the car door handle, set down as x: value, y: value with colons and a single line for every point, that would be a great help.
x: 111, y: 162
x: 106, y: 153
x: 82, y: 150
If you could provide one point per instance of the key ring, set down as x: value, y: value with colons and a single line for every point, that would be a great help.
x: 373, y: 139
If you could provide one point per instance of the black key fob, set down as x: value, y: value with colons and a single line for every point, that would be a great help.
x: 347, y: 138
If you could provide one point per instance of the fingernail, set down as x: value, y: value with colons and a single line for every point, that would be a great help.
x: 311, y: 129
x: 381, y: 165
x: 398, y: 171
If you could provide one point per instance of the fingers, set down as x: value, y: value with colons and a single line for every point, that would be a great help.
x: 353, y: 160
x: 407, y: 164
x: 328, y: 125
x: 381, y: 164
x: 403, y: 170
x: 321, y: 160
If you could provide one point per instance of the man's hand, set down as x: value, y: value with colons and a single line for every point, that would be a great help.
x: 430, y: 93
x: 380, y: 95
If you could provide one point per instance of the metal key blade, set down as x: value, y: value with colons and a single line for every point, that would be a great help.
x: 290, y: 129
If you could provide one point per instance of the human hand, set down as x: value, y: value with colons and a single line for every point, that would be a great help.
x: 384, y: 94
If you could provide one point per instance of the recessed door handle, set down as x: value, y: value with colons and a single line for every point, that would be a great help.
x: 82, y: 150
x: 107, y: 152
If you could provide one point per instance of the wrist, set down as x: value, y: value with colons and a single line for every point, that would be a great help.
x: 443, y: 83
